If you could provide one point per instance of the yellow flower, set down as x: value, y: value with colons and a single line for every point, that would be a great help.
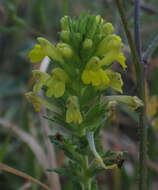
x: 133, y: 101
x: 56, y: 83
x: 37, y: 102
x: 115, y: 80
x: 50, y: 50
x: 65, y: 49
x: 36, y: 54
x: 41, y: 78
x: 94, y: 74
x: 73, y: 113
x: 110, y: 49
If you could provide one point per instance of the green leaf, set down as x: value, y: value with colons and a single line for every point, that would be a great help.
x: 4, y: 147
x: 61, y: 171
x: 94, y: 117
x: 94, y: 185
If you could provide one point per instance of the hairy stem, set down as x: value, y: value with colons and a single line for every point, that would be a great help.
x: 87, y: 183
x: 137, y: 29
x: 139, y: 68
x: 142, y: 119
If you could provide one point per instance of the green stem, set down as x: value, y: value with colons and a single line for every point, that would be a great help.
x: 140, y: 76
x: 87, y: 182
x: 65, y: 3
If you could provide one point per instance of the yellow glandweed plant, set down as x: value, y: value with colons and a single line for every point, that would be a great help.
x: 78, y: 78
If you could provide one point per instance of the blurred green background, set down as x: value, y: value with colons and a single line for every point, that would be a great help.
x: 23, y: 139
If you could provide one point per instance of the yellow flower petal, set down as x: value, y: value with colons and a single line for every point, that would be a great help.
x: 109, y: 57
x: 50, y: 92
x: 59, y: 74
x: 121, y: 59
x: 73, y: 115
x: 95, y: 78
x: 41, y: 78
x: 36, y: 54
x: 104, y: 78
x: 115, y: 80
x: 79, y: 117
x: 56, y: 83
x: 59, y: 89
x: 85, y: 77
x: 110, y: 43
x: 69, y: 116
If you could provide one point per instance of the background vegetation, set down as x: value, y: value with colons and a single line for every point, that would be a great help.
x: 23, y: 133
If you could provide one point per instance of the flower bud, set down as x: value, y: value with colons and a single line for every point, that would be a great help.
x: 65, y: 35
x: 114, y: 41
x: 87, y: 43
x: 107, y: 29
x: 109, y: 43
x: 99, y: 19
x: 73, y: 113
x: 78, y: 37
x: 64, y: 23
x: 65, y: 49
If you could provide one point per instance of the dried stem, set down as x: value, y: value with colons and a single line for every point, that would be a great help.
x: 137, y: 28
x: 23, y: 175
x: 139, y: 68
x: 145, y: 7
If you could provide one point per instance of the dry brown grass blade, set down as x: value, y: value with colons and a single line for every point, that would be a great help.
x: 23, y: 175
